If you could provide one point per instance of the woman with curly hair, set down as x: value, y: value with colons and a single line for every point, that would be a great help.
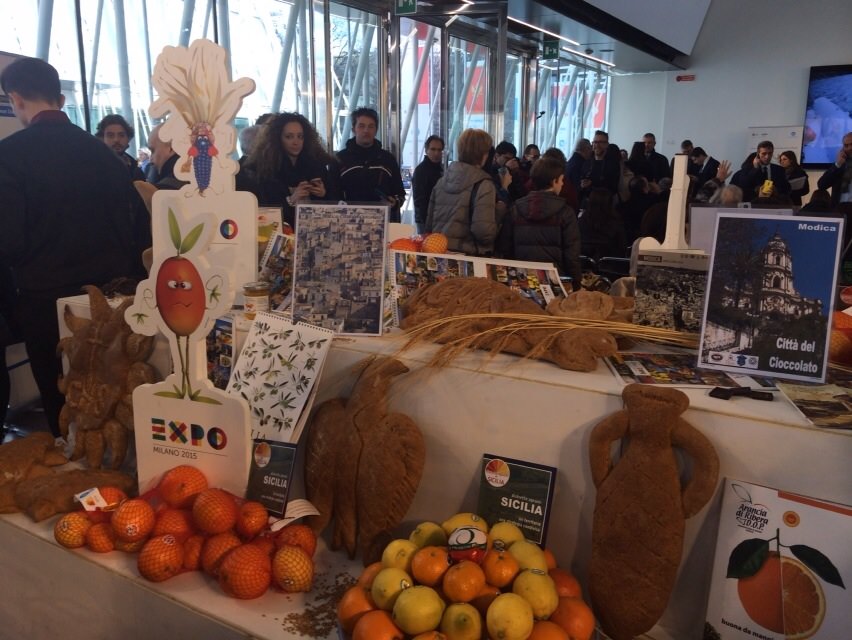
x: 287, y: 165
x: 796, y: 176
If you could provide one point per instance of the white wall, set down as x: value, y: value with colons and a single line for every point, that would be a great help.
x: 751, y: 63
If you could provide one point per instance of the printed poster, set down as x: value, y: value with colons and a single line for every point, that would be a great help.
x: 220, y: 351
x: 770, y: 294
x: 339, y: 267
x: 676, y: 370
x: 532, y: 280
x: 670, y: 289
x: 412, y: 271
x: 276, y: 268
x: 782, y: 567
x: 826, y: 405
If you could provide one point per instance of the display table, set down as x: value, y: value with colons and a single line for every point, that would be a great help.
x: 502, y: 405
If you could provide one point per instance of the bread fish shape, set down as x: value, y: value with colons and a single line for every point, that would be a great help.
x: 640, y: 507
x: 363, y: 464
x: 25, y: 459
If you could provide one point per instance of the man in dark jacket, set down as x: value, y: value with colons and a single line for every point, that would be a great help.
x: 656, y: 163
x: 751, y: 179
x: 368, y: 173
x: 67, y: 207
x: 541, y: 226
x: 426, y: 176
x: 838, y: 177
x: 116, y: 133
x: 601, y: 170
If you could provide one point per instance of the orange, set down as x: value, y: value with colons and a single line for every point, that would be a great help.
x: 353, y: 604
x: 575, y: 617
x: 293, y: 569
x: 546, y: 630
x: 70, y: 530
x: 267, y: 543
x: 463, y: 581
x: 100, y: 538
x: 179, y: 486
x: 366, y: 578
x: 177, y: 522
x: 784, y: 597
x: 567, y: 585
x: 298, y: 535
x: 484, y: 598
x: 434, y: 243
x: 214, y: 550
x: 429, y: 564
x: 192, y: 552
x: 549, y: 558
x: 376, y: 625
x: 133, y: 520
x: 246, y: 572
x: 251, y: 520
x: 500, y: 567
x: 161, y: 558
x: 214, y: 511
x: 405, y: 244
x: 113, y: 497
x: 129, y: 547
x: 431, y: 635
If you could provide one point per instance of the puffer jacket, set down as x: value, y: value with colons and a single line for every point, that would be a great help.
x: 543, y: 228
x: 472, y: 233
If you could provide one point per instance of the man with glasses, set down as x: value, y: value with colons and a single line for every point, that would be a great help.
x: 602, y: 170
x: 426, y: 176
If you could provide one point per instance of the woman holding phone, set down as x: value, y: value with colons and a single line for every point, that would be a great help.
x: 287, y: 165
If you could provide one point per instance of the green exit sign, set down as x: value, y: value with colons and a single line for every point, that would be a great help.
x: 404, y: 7
x: 550, y: 50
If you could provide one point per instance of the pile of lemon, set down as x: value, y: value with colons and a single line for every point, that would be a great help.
x: 427, y: 589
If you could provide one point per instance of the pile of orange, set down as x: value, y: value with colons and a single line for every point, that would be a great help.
x: 430, y: 243
x: 189, y: 526
x: 474, y: 589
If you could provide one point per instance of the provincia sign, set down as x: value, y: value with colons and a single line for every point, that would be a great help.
x: 770, y: 294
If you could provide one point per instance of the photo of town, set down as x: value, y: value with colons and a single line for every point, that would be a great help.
x: 413, y: 271
x: 338, y: 274
x: 770, y: 294
x: 539, y: 285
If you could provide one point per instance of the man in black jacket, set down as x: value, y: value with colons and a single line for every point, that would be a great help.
x: 838, y: 177
x: 656, y: 163
x: 753, y: 179
x: 116, y: 133
x: 707, y: 167
x: 368, y: 173
x: 426, y: 176
x: 601, y: 170
x: 67, y: 207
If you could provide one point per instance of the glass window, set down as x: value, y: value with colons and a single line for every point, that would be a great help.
x: 467, y: 88
x: 513, y: 112
x: 420, y: 88
x: 574, y: 101
x: 354, y: 67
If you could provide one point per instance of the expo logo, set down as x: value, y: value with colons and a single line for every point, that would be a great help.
x: 178, y: 432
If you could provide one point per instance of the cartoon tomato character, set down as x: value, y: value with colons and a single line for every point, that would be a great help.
x: 180, y: 295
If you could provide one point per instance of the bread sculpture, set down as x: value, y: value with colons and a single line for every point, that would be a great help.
x: 576, y: 348
x: 107, y: 361
x: 48, y: 495
x: 25, y: 459
x: 640, y: 508
x: 362, y: 463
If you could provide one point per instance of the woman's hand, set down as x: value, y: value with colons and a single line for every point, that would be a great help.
x: 317, y: 188
x: 302, y: 191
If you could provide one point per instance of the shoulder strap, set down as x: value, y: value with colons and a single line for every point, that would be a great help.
x: 473, y: 191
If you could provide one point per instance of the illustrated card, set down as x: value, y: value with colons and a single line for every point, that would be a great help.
x: 782, y: 567
x: 670, y: 289
x: 770, y: 294
x: 276, y: 268
x: 412, y: 271
x: 537, y: 281
x: 825, y: 405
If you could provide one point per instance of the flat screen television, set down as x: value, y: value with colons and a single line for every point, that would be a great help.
x: 828, y: 114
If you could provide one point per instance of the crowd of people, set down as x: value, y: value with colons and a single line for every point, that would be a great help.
x: 74, y: 218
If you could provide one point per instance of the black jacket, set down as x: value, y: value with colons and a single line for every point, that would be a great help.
x: 543, y: 228
x: 604, y: 174
x: 657, y: 167
x: 67, y: 207
x: 370, y: 174
x: 426, y: 176
x: 833, y: 179
x: 750, y: 179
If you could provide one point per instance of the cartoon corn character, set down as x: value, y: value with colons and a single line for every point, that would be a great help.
x: 201, y: 152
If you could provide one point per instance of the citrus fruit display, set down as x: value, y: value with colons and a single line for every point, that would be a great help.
x: 251, y: 519
x: 405, y: 244
x: 70, y: 530
x: 463, y: 582
x: 783, y: 596
x: 100, y: 538
x: 245, y: 572
x: 298, y: 535
x: 133, y: 520
x: 161, y: 558
x: 434, y: 243
x: 214, y: 511
x: 292, y: 569
x: 113, y: 497
x: 179, y: 486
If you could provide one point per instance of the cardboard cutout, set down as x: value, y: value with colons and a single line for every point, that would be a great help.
x: 204, y: 245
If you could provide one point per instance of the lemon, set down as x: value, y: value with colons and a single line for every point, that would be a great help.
x: 462, y: 621
x: 537, y: 588
x: 387, y: 585
x: 418, y: 610
x: 428, y: 534
x: 509, y: 617
x: 464, y: 520
x: 506, y: 533
x: 398, y: 554
x: 529, y: 555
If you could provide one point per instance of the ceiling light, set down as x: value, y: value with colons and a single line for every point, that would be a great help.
x: 550, y: 33
x: 587, y: 56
